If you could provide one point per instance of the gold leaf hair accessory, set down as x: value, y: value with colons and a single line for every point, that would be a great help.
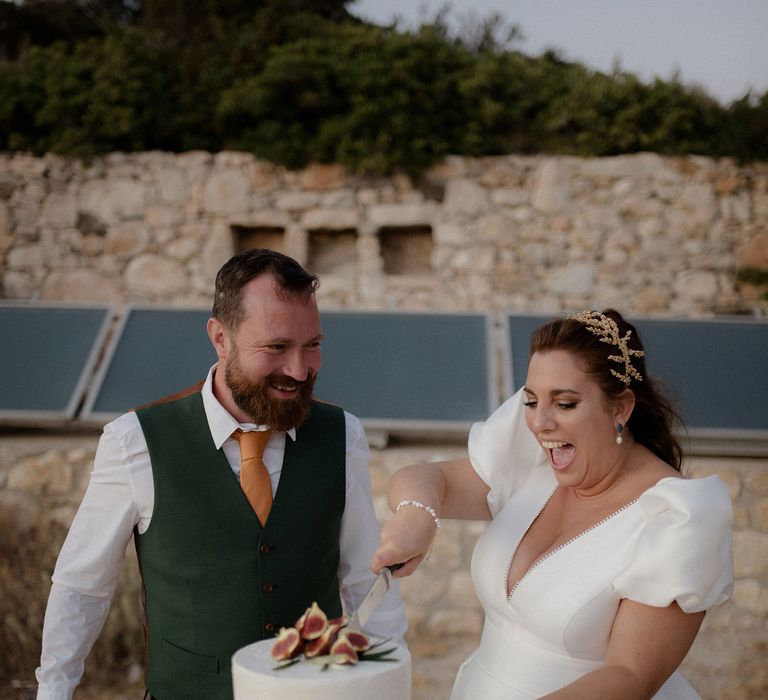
x: 607, y: 331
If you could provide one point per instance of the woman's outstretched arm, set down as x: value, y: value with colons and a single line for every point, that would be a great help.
x: 419, y: 496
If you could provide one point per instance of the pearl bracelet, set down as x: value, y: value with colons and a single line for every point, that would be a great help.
x: 419, y: 504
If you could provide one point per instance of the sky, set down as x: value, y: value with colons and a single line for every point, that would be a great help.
x: 719, y: 45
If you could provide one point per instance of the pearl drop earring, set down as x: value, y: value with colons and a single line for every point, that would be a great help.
x: 619, y: 428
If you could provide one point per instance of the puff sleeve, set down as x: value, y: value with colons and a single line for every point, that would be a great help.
x: 503, y: 451
x: 683, y: 553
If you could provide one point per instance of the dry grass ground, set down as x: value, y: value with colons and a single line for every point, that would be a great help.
x: 28, y: 553
x: 435, y: 662
x: 436, y: 659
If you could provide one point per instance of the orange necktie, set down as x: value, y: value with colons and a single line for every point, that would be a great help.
x: 254, y: 477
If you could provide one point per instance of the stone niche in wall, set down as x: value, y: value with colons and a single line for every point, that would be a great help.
x: 332, y: 252
x: 244, y: 237
x: 406, y: 250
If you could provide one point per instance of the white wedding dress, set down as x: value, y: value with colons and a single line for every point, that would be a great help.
x: 672, y: 544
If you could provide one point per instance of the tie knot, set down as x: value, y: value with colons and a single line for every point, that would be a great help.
x: 252, y: 443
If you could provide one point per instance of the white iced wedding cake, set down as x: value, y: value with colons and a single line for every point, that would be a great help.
x: 257, y: 676
x: 322, y: 659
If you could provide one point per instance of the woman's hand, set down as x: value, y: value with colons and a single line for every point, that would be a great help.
x: 406, y: 538
x: 442, y: 489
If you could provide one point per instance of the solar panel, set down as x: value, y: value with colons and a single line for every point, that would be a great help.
x: 47, y: 356
x: 409, y: 371
x: 393, y: 370
x: 715, y: 370
x: 154, y: 352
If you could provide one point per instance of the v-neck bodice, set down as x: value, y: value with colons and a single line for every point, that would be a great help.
x: 553, y: 550
x: 556, y: 624
x: 608, y: 543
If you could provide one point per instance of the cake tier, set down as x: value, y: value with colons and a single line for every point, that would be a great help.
x: 254, y: 677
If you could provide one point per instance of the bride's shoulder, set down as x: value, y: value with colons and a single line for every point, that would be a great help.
x: 659, y: 487
x: 705, y: 497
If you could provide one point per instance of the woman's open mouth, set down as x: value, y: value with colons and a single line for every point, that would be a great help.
x: 561, y: 454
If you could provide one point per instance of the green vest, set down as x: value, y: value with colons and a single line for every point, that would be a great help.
x: 214, y: 578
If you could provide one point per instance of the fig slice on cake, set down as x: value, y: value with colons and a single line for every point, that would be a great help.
x: 312, y: 623
x: 342, y: 651
x: 287, y: 645
x: 358, y: 640
x: 323, y: 641
x: 321, y: 645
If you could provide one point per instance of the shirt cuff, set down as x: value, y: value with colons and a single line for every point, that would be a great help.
x: 62, y: 690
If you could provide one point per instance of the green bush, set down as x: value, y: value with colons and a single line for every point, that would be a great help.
x: 300, y: 81
x: 98, y: 96
x: 369, y: 98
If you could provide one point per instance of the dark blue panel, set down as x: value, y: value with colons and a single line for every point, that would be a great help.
x: 45, y: 353
x: 422, y: 367
x: 160, y: 352
x: 519, y: 339
x: 717, y: 371
x: 425, y: 367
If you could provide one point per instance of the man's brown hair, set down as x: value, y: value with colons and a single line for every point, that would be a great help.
x: 292, y: 280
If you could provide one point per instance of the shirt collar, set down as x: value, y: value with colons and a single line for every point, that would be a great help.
x: 220, y: 422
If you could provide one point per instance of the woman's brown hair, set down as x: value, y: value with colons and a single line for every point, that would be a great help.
x: 654, y: 419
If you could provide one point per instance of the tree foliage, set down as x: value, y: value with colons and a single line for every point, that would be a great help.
x: 295, y: 81
x: 358, y: 95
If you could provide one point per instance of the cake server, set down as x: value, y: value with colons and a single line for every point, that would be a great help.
x: 374, y: 596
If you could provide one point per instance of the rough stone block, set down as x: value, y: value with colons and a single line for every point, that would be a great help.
x: 754, y: 252
x: 757, y: 482
x: 113, y: 199
x: 551, y: 193
x: 760, y: 207
x: 154, y: 275
x: 510, y: 196
x: 696, y: 285
x: 576, y: 278
x: 59, y: 210
x: 759, y: 518
x: 226, y: 192
x: 699, y: 201
x: 26, y: 257
x: 465, y: 197
x: 749, y: 594
x: 127, y: 239
x: 332, y: 219
x: 81, y: 285
x: 322, y: 176
x: 163, y: 215
x: 402, y: 215
x: 297, y: 201
x: 750, y: 554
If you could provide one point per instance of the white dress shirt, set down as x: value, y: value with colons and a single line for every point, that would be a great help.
x: 120, y: 496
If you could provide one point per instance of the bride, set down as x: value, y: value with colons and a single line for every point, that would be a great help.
x: 600, y: 559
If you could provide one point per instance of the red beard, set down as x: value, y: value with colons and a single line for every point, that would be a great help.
x: 253, y: 397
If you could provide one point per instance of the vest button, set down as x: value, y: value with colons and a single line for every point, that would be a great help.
x: 267, y: 588
x: 269, y: 627
x: 265, y: 549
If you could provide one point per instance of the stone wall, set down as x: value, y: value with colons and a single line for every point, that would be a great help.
x: 647, y: 234
x: 42, y: 479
